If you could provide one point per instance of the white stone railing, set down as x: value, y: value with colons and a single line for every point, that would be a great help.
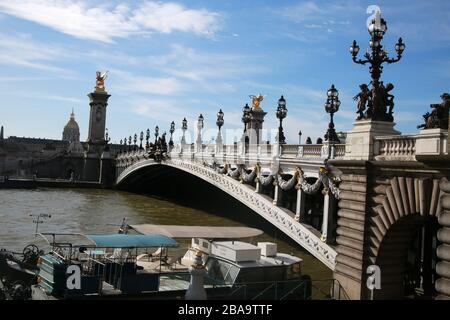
x: 395, y: 147
x: 428, y: 143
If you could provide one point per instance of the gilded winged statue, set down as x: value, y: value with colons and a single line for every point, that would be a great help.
x: 100, y: 81
x: 256, y: 100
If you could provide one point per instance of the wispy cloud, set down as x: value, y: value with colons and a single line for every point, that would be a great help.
x: 104, y: 22
x: 59, y: 98
x: 22, y: 50
x: 128, y: 82
x: 316, y: 21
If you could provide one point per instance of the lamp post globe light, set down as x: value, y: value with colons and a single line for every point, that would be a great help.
x: 184, y: 128
x: 156, y: 133
x: 378, y: 99
x: 219, y: 122
x: 281, y: 114
x: 200, y: 125
x: 246, y: 116
x: 172, y: 130
x: 147, y: 138
x: 200, y: 122
x: 331, y: 107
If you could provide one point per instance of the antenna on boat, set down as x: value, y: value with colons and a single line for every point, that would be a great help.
x: 38, y: 220
x: 124, y: 226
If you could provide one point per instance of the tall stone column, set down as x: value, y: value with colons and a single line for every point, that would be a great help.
x: 98, y: 102
x: 97, y: 121
x: 254, y: 128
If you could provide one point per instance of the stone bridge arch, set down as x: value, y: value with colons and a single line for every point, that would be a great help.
x: 281, y: 218
x: 407, y: 212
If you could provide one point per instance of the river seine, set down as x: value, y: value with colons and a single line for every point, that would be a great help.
x: 95, y: 211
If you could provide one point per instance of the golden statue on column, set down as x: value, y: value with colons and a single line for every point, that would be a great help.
x: 100, y: 81
x: 256, y: 101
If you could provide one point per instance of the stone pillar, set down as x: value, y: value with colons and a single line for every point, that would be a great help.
x: 196, y: 290
x: 352, y: 213
x: 300, y: 205
x: 326, y: 213
x: 258, y: 186
x: 254, y: 128
x: 360, y: 143
x: 107, y: 171
x: 431, y: 145
x: 219, y: 143
x: 442, y: 284
x: 97, y: 121
x: 91, y: 167
x: 277, y: 193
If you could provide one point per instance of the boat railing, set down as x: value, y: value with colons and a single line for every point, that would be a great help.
x: 303, y: 289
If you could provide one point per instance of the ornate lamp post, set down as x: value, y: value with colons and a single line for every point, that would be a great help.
x: 200, y: 125
x: 147, y: 138
x: 135, y: 141
x: 300, y: 137
x: 129, y: 143
x: 172, y: 130
x: 378, y: 98
x: 184, y: 128
x: 219, y: 123
x: 107, y: 139
x: 156, y: 133
x: 331, y: 107
x: 281, y: 114
x: 246, y: 116
x: 141, y: 138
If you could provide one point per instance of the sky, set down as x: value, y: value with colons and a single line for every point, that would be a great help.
x: 173, y: 59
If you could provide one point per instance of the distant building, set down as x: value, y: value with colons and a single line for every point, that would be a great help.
x: 71, y: 132
x: 24, y: 156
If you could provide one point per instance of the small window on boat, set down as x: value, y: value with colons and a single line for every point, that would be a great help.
x: 206, y: 245
x: 217, y: 270
x: 196, y: 241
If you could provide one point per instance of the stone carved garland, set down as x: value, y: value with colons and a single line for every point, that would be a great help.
x: 289, y: 184
x: 249, y: 177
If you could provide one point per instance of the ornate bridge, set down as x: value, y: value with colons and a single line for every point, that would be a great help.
x: 285, y: 168
x: 375, y: 193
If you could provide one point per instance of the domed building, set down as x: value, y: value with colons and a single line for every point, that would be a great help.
x: 71, y: 131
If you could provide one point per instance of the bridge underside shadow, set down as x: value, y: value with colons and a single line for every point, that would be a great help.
x: 188, y: 190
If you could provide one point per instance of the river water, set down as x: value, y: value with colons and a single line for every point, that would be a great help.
x: 93, y: 211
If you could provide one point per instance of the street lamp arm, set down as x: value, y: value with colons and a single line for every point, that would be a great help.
x: 359, y: 61
x: 393, y: 60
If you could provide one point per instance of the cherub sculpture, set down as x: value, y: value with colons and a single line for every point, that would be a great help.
x: 363, y: 99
